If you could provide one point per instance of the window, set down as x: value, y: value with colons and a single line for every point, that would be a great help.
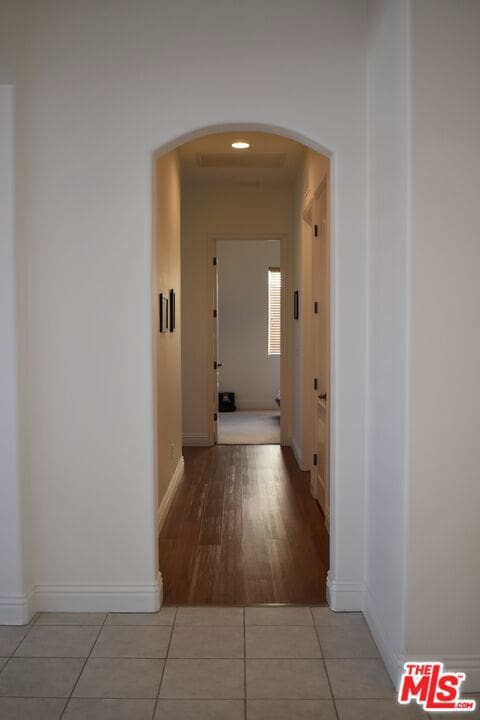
x: 274, y: 302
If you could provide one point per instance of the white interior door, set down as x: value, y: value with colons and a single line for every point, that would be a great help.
x: 321, y: 351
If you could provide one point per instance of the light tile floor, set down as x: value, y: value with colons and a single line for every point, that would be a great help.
x: 197, y: 663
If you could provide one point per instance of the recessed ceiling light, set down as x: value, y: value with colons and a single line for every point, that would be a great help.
x: 240, y: 145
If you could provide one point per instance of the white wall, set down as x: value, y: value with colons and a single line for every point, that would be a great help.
x: 247, y: 368
x: 100, y: 86
x: 443, y: 591
x: 166, y: 277
x: 215, y: 210
x: 422, y: 589
x: 312, y: 171
x: 387, y: 326
x: 13, y: 585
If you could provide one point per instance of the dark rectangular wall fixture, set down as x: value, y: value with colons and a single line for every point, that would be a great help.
x: 172, y: 310
x: 296, y: 308
x: 163, y: 312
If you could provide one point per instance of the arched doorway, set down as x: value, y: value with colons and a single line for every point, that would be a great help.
x: 301, y: 390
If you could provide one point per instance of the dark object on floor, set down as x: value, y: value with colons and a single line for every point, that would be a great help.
x: 226, y: 402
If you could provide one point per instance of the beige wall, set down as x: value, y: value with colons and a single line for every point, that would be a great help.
x: 85, y: 263
x: 312, y: 170
x: 166, y: 275
x: 207, y: 210
x: 247, y: 368
x: 385, y: 580
x: 443, y: 588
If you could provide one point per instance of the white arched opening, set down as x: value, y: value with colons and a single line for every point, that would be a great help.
x: 351, y: 599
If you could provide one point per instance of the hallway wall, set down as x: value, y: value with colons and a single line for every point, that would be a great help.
x: 215, y: 209
x: 311, y: 173
x: 13, y: 533
x: 247, y: 368
x: 422, y: 586
x: 100, y: 87
x: 166, y: 276
x: 386, y: 484
x: 444, y: 494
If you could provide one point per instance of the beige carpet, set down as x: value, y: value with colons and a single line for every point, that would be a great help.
x: 249, y: 427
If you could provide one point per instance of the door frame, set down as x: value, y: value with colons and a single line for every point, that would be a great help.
x: 286, y: 357
x: 324, y: 186
x: 345, y: 580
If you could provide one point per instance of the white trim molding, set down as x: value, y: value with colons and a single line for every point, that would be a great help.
x: 297, y: 452
x: 98, y: 598
x: 344, y: 595
x: 19, y: 609
x: 394, y: 660
x: 169, y: 495
x: 196, y: 440
x: 16, y: 609
x: 470, y: 665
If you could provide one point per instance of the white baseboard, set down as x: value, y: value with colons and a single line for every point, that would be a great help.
x: 17, y: 609
x: 344, y: 595
x: 168, y: 497
x: 470, y: 665
x: 196, y: 440
x: 394, y: 661
x: 297, y: 452
x: 98, y: 598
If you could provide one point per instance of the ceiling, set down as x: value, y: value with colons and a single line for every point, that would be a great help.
x: 270, y: 159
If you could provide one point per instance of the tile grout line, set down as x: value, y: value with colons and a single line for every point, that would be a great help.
x: 325, y: 667
x: 172, y: 626
x: 83, y: 666
x: 122, y: 697
x: 155, y: 705
x: 12, y: 655
x: 190, y: 657
x: 107, y: 625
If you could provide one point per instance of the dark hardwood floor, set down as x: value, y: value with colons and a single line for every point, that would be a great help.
x: 243, y: 529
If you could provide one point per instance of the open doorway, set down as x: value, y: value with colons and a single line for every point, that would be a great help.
x: 248, y: 341
x: 245, y: 520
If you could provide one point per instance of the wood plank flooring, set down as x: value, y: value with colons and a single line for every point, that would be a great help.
x: 243, y: 529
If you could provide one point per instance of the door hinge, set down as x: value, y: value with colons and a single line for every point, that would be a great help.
x: 315, y: 383
x: 214, y: 364
x: 315, y: 230
x: 315, y: 308
x: 214, y: 313
x: 215, y: 260
x: 215, y: 417
x: 315, y: 458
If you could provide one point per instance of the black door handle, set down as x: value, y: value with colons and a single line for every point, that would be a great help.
x: 323, y: 396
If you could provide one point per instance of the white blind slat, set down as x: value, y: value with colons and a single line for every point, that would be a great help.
x: 274, y: 311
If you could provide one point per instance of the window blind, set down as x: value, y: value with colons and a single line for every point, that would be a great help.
x: 274, y: 310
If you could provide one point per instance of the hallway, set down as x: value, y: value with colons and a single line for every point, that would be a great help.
x: 243, y: 529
